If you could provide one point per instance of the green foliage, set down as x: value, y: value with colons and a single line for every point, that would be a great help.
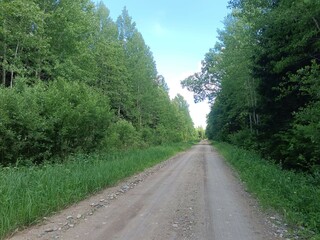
x: 30, y: 193
x: 302, y: 139
x: 230, y: 86
x: 142, y: 72
x: 108, y: 96
x: 184, y: 121
x: 201, y: 134
x: 243, y: 138
x: 74, y: 81
x: 70, y: 26
x: 295, y: 195
x: 22, y: 40
x: 126, y: 135
x: 206, y: 83
x: 46, y: 120
x: 111, y: 74
x: 264, y: 78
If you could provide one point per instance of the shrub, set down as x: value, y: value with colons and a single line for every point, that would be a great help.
x: 52, y: 119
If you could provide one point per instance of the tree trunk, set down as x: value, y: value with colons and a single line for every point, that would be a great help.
x: 250, y: 120
x: 139, y: 108
x: 4, y: 72
x: 119, y: 111
x: 4, y: 62
x: 316, y: 22
x: 14, y: 62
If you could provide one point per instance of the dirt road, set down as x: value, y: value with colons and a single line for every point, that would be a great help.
x: 191, y: 196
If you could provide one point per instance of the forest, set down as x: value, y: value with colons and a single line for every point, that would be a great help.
x: 83, y: 106
x: 75, y: 81
x: 263, y: 80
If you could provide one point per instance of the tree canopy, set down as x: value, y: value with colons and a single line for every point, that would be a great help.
x: 74, y: 80
x: 263, y: 79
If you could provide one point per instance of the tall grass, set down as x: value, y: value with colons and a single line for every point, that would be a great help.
x: 295, y: 195
x: 29, y: 193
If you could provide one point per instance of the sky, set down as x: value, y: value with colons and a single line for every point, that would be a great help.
x: 179, y: 33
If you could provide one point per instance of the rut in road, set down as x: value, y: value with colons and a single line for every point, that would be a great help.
x: 192, y: 196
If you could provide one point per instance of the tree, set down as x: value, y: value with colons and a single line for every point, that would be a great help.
x: 201, y: 133
x: 79, y: 82
x: 226, y: 79
x: 268, y: 62
x: 141, y: 69
x: 185, y: 124
x: 111, y: 71
x: 206, y: 83
x: 23, y: 43
x: 161, y: 83
x: 70, y: 27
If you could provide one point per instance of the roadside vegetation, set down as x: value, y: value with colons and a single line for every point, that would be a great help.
x: 262, y: 78
x: 82, y: 106
x: 296, y: 196
x: 74, y: 80
x: 29, y: 193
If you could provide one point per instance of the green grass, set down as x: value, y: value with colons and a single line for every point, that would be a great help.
x: 294, y: 195
x: 29, y: 193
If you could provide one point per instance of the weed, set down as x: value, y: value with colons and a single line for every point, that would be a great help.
x: 292, y: 194
x: 29, y: 193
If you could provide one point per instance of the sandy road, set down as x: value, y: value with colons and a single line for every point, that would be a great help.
x: 191, y: 196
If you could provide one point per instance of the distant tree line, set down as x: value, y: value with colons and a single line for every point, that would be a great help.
x: 263, y: 78
x: 73, y: 80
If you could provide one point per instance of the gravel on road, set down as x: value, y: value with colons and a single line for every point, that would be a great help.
x: 194, y: 196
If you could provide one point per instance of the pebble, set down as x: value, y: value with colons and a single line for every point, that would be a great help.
x: 69, y: 217
x: 99, y: 205
x: 175, y: 225
x: 79, y: 216
x: 112, y: 196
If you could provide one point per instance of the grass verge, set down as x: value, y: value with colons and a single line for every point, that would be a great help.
x: 294, y: 195
x: 29, y: 193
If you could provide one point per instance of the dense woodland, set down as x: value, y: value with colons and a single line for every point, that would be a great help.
x: 263, y: 78
x: 74, y: 80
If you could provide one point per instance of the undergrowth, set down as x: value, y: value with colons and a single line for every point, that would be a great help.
x: 29, y: 193
x: 294, y: 195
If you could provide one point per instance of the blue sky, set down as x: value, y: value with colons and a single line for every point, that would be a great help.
x: 179, y: 33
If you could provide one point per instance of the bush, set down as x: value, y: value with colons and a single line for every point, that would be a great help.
x: 45, y: 120
x: 128, y: 135
x: 243, y: 138
x: 121, y: 135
